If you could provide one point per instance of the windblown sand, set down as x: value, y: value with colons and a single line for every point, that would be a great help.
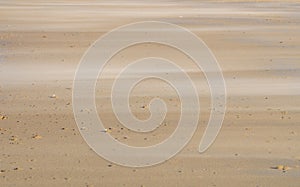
x: 257, y: 44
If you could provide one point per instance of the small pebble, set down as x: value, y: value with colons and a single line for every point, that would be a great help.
x: 3, y: 117
x: 53, y: 96
x: 37, y: 137
x: 281, y: 167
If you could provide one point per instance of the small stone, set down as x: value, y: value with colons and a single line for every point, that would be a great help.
x: 13, y: 140
x: 3, y: 117
x: 53, y: 96
x: 106, y: 130
x: 37, y: 137
x: 282, y: 168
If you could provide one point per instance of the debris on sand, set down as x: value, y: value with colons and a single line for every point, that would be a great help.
x: 106, y: 130
x: 37, y: 136
x: 13, y: 140
x: 281, y: 168
x: 18, y: 169
x: 53, y: 96
x: 2, y: 117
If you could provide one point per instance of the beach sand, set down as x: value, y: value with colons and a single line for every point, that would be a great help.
x: 256, y: 43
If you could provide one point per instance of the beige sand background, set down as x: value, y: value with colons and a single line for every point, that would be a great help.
x: 257, y: 44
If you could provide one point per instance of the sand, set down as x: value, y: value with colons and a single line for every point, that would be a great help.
x: 257, y: 45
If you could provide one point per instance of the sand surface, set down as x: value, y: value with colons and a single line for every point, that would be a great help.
x: 257, y: 45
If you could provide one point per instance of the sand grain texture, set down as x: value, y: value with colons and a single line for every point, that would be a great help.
x: 257, y: 44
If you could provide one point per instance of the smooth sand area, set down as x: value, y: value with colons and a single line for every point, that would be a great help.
x: 257, y: 44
